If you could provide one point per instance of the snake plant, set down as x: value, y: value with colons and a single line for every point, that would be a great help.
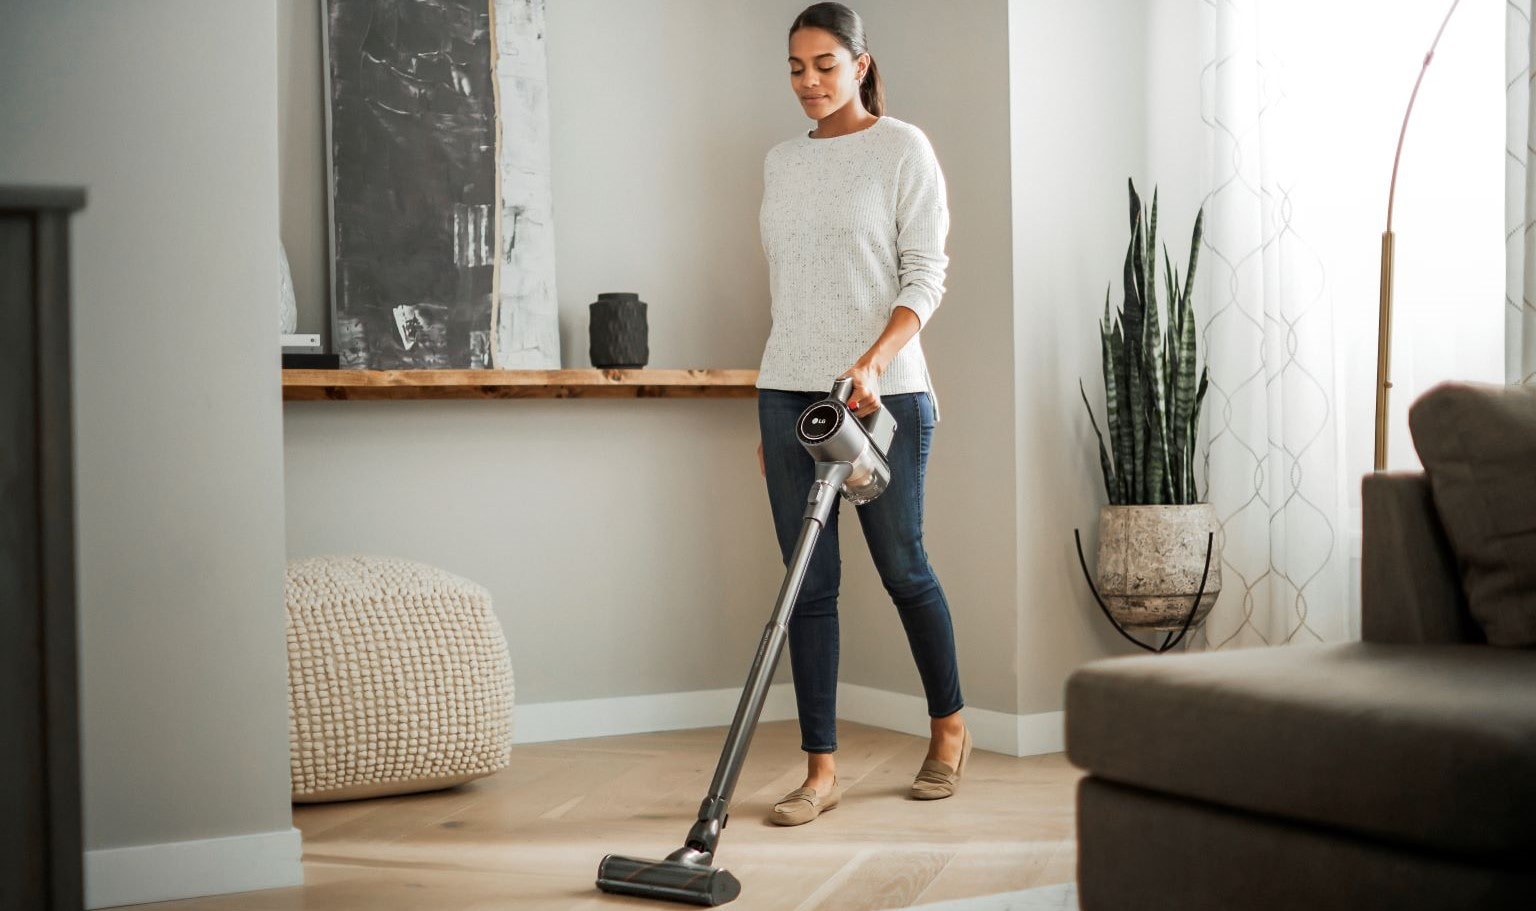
x: 1152, y: 396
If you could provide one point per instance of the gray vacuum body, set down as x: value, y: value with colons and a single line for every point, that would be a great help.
x: 831, y: 432
x: 850, y: 461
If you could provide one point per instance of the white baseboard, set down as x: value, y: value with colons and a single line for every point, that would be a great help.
x: 1042, y: 732
x: 545, y: 721
x: 999, y: 732
x: 1012, y: 735
x: 189, y: 869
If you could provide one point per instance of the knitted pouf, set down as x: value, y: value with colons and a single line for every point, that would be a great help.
x: 398, y: 679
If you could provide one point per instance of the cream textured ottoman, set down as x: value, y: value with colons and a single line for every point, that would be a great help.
x: 398, y: 679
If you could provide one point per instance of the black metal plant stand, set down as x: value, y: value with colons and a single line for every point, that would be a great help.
x: 1169, y: 640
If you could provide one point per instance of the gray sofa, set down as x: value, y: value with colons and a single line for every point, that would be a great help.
x: 1394, y: 773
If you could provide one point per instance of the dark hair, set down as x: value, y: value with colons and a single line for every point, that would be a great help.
x: 845, y: 25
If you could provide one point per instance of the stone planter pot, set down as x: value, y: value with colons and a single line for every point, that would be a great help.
x: 1150, y: 562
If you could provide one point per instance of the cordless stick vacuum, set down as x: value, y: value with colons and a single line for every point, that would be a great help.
x: 850, y: 459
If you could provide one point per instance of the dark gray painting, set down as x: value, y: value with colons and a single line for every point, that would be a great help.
x: 413, y: 170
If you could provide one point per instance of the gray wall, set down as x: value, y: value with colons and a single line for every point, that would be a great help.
x: 166, y: 112
x: 628, y: 544
x: 946, y: 69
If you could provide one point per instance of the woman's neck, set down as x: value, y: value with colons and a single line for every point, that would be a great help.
x: 850, y: 118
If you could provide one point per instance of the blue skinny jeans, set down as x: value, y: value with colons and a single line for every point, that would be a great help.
x: 893, y: 528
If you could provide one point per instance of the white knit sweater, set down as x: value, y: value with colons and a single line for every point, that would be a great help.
x: 853, y: 227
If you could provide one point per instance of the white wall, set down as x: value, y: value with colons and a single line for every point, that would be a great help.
x: 628, y: 544
x: 166, y: 113
x: 1079, y: 131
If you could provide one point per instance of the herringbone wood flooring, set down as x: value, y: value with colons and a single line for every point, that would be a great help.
x: 531, y: 836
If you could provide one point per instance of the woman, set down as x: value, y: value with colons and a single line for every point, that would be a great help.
x: 853, y: 225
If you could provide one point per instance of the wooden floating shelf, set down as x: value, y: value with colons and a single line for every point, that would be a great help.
x: 374, y: 385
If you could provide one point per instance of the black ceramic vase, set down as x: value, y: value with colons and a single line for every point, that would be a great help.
x: 619, y: 331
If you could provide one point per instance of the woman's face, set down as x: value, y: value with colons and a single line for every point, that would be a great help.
x: 822, y: 72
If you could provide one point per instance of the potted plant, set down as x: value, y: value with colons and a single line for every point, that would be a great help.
x: 1155, y: 531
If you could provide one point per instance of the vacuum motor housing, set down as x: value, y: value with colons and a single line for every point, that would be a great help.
x: 831, y: 432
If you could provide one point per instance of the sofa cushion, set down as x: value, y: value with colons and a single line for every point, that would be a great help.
x: 1478, y: 445
x: 1424, y: 745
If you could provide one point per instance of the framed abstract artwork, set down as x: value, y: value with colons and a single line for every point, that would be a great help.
x: 441, y: 234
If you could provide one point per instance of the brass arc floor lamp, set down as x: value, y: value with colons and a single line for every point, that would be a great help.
x: 1384, y: 331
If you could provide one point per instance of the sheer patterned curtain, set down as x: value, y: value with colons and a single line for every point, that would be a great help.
x: 1273, y: 468
x: 1519, y: 199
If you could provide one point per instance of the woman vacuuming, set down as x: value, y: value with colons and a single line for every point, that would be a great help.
x: 853, y: 225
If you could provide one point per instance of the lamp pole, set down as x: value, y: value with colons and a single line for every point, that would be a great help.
x: 1384, y: 329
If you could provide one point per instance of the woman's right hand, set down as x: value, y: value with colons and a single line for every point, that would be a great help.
x: 762, y: 467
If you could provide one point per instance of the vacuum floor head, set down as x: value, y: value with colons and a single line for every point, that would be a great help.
x: 669, y: 880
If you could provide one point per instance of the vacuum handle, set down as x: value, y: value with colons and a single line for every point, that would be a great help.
x: 878, y: 424
x: 842, y: 391
x: 842, y: 388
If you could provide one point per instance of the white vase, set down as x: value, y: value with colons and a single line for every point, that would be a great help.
x: 1151, y: 560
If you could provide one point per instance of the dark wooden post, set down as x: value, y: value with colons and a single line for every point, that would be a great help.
x: 40, y: 817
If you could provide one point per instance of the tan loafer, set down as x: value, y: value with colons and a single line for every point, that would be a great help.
x: 936, y: 780
x: 802, y: 805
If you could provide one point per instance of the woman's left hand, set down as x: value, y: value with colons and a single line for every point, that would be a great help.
x: 865, y: 398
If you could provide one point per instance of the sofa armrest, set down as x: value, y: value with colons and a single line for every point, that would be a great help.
x: 1410, y: 585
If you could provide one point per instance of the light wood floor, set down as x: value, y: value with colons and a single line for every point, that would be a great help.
x: 531, y: 837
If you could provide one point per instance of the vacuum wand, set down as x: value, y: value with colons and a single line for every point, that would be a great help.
x: 818, y: 507
x: 850, y: 460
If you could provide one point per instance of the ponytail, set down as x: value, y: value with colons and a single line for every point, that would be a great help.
x: 872, y: 90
